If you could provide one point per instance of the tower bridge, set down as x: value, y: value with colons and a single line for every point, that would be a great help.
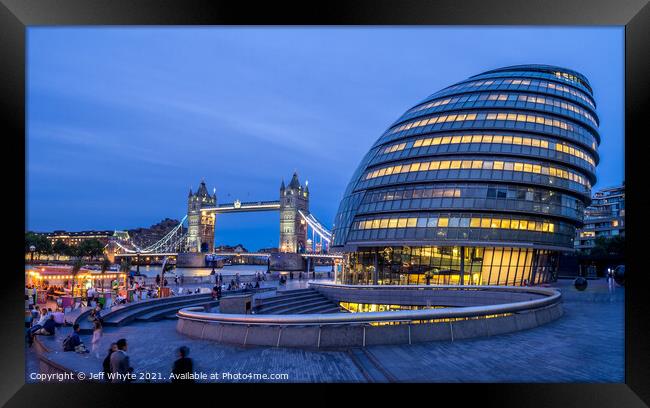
x: 197, y: 239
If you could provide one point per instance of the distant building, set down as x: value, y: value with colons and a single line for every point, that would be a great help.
x: 293, y: 228
x: 605, y: 217
x: 239, y: 248
x: 75, y: 238
x: 200, y: 235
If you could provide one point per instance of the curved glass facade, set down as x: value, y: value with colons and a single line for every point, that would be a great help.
x: 483, y: 182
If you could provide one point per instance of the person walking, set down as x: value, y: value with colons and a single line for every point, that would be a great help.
x: 183, y: 366
x: 97, y: 336
x: 119, y: 362
x: 106, y: 364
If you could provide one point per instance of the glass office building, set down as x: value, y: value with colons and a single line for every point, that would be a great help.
x: 483, y: 182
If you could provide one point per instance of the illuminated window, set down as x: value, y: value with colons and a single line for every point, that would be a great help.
x: 443, y: 222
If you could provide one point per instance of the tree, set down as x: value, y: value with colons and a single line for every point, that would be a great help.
x: 125, y: 265
x: 91, y: 248
x: 76, y: 267
x: 603, y: 246
x: 40, y: 242
x: 106, y: 265
x: 60, y: 248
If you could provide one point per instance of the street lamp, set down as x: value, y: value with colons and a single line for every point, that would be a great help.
x: 32, y: 248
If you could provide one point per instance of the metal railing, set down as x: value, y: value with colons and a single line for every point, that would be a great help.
x: 551, y: 297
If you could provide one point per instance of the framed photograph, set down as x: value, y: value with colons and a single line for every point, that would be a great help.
x: 377, y: 193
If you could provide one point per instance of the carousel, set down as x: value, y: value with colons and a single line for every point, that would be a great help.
x: 70, y: 290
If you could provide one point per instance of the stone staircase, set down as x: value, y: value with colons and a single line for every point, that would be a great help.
x: 146, y: 310
x: 300, y: 301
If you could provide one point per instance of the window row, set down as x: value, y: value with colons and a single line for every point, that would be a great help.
x: 524, y: 82
x: 570, y: 77
x: 581, y: 135
x: 511, y: 97
x: 478, y: 164
x: 469, y: 235
x: 503, y: 116
x: 454, y: 222
x: 547, y: 75
x: 474, y: 191
x: 471, y: 204
x: 500, y: 139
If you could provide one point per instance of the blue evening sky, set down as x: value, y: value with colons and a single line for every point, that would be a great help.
x: 123, y: 121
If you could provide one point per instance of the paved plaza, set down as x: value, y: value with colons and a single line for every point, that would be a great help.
x: 584, y: 345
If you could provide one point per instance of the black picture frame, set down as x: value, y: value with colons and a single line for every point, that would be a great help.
x: 16, y: 15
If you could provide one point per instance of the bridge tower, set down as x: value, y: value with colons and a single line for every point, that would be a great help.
x: 200, y: 233
x: 293, y: 229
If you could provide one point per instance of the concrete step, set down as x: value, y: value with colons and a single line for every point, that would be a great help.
x: 170, y: 312
x: 129, y: 315
x: 275, y: 308
x: 272, y: 302
x: 294, y: 291
x: 311, y: 305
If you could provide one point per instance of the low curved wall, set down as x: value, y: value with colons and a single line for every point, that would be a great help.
x: 524, y: 308
x: 438, y: 295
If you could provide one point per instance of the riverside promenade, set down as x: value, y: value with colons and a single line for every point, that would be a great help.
x: 585, y: 345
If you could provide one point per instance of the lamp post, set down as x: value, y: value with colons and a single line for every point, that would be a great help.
x: 32, y: 248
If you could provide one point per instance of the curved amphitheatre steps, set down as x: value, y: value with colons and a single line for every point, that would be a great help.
x: 299, y: 301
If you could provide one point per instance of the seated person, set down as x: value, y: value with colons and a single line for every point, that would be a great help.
x: 46, y: 330
x: 73, y: 342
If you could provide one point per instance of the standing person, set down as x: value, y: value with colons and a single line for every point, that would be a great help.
x: 158, y: 280
x: 59, y: 317
x: 183, y: 365
x: 34, y: 293
x: 119, y: 362
x: 97, y: 336
x: 106, y: 364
